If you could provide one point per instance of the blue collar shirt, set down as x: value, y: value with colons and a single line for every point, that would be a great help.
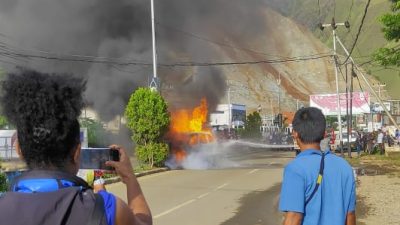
x: 336, y: 196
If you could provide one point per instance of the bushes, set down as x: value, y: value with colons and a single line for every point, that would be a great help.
x: 148, y: 118
x: 3, y: 182
x: 153, y: 154
x: 97, y: 135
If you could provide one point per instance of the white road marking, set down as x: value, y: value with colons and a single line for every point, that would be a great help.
x: 220, y: 187
x: 203, y: 195
x: 188, y: 202
x: 174, y: 208
x: 253, y: 171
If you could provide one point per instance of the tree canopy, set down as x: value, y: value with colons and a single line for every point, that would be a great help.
x: 252, y: 125
x: 390, y: 55
x: 147, y: 116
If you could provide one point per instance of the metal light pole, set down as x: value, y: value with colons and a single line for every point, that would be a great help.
x: 154, y: 85
x: 334, y: 25
x: 229, y: 110
x: 379, y: 89
x: 370, y: 87
x: 279, y: 93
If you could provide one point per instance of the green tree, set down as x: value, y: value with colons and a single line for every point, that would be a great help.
x: 97, y: 135
x: 390, y: 55
x: 148, y: 118
x: 3, y: 182
x: 3, y: 122
x: 252, y: 125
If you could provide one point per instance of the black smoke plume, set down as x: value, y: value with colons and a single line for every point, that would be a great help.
x: 120, y: 31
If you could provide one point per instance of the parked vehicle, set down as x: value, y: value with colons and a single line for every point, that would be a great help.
x: 353, y: 139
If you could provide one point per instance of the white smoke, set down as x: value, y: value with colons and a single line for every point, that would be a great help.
x: 206, y: 156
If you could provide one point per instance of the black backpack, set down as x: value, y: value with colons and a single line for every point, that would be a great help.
x: 66, y: 206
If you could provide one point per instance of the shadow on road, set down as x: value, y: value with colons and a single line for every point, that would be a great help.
x: 258, y: 208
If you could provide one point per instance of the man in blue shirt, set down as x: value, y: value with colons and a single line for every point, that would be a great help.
x: 318, y: 188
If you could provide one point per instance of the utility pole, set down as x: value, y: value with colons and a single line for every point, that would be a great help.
x: 279, y: 93
x: 379, y: 89
x: 229, y: 110
x: 379, y: 94
x: 369, y: 85
x: 154, y: 85
x: 347, y: 112
x: 334, y: 25
x: 351, y: 105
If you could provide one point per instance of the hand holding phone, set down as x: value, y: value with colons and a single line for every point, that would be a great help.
x: 96, y: 158
x: 123, y: 166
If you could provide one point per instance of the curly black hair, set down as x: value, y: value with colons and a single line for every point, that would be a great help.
x: 45, y: 109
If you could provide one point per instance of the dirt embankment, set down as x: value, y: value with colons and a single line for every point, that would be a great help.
x: 297, y: 59
x: 378, y: 190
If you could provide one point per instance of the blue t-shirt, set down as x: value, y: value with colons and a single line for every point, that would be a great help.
x: 110, y: 206
x: 335, y: 197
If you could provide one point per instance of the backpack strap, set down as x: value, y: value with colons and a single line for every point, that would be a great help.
x: 57, y: 175
x: 319, y: 178
x: 97, y: 215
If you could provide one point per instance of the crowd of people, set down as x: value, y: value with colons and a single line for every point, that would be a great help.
x: 373, y: 142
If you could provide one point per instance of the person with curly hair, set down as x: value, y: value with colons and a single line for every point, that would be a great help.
x: 45, y: 110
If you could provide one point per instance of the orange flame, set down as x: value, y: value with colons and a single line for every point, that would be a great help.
x: 186, y: 121
x: 183, y: 123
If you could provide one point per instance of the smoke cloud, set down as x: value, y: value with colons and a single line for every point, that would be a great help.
x: 121, y: 30
x: 207, y: 156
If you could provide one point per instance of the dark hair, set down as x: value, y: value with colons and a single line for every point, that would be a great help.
x: 45, y: 109
x: 310, y: 124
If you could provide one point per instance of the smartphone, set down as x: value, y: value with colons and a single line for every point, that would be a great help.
x: 95, y: 158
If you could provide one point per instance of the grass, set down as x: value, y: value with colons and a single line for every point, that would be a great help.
x: 142, y: 168
x: 380, y: 163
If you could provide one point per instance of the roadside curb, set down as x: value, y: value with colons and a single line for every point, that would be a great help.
x: 140, y: 174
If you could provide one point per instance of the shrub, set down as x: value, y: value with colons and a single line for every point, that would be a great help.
x: 3, y: 182
x: 153, y: 154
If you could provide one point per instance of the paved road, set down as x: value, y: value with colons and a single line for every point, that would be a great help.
x: 242, y: 190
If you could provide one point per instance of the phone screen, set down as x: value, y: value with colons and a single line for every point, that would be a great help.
x: 95, y: 158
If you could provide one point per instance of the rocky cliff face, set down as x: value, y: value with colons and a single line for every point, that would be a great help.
x: 257, y: 84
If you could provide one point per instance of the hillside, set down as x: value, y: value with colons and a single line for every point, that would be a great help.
x: 307, y: 12
x: 256, y: 85
x: 204, y: 48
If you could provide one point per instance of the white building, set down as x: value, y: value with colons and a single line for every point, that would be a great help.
x: 235, y: 113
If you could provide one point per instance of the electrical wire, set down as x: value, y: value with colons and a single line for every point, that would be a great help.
x: 178, y: 64
x: 362, y: 90
x: 358, y: 32
x: 334, y: 8
x: 222, y: 44
x: 350, y: 11
x: 319, y: 11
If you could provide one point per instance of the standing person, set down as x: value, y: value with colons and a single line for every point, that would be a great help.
x: 397, y: 136
x: 318, y: 187
x: 45, y: 110
x: 359, y: 143
x: 379, y: 141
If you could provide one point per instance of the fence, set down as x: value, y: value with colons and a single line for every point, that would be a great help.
x: 7, y: 150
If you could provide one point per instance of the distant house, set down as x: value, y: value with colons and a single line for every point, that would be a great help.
x: 226, y: 115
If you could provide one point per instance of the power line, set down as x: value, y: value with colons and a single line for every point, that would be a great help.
x: 12, y: 52
x: 334, y: 8
x: 319, y: 11
x: 9, y: 47
x: 351, y: 8
x: 178, y: 64
x: 222, y: 44
x: 358, y: 32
